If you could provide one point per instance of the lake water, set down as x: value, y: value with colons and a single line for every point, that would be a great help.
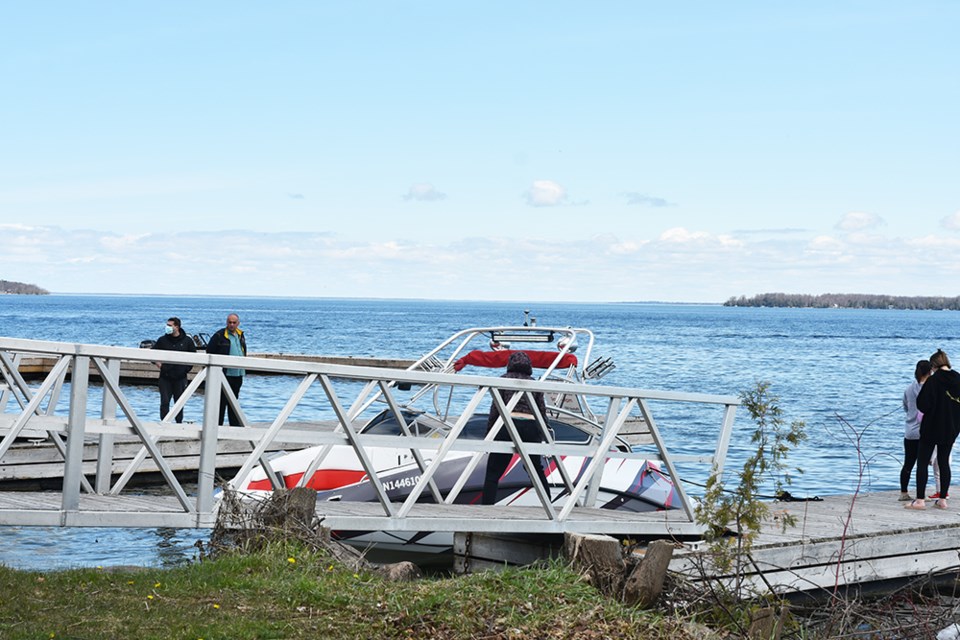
x: 841, y: 371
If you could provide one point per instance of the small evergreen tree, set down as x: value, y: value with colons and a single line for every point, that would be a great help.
x: 739, y: 509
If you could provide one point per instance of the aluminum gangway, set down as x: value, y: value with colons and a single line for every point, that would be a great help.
x: 67, y: 410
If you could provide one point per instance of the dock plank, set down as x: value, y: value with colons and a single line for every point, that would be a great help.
x: 881, y: 541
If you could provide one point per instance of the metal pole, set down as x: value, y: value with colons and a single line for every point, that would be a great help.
x: 206, y: 474
x: 108, y: 411
x: 76, y: 427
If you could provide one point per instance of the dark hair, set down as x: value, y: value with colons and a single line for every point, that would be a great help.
x: 923, y: 370
x: 940, y: 359
x: 520, y: 363
x: 175, y: 321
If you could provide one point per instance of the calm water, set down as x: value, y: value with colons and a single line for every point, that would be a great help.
x: 841, y: 371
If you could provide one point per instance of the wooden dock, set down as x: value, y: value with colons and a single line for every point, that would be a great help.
x: 844, y: 540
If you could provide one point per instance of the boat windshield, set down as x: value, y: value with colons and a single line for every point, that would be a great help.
x: 386, y: 424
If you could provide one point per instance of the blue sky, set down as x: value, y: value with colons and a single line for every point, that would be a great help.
x: 501, y: 150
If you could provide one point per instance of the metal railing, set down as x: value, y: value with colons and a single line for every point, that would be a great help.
x: 44, y: 411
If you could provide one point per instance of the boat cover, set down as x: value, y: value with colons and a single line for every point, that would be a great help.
x: 497, y: 359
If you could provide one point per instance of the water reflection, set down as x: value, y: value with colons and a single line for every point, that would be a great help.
x: 55, y: 548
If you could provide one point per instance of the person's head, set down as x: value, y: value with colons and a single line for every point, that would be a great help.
x: 940, y: 359
x: 233, y: 321
x: 519, y: 362
x: 174, y: 326
x: 923, y: 370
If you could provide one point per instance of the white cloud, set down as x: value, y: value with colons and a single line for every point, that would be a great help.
x: 858, y: 221
x: 679, y: 235
x: 636, y: 198
x: 951, y: 222
x: 424, y: 193
x: 679, y: 264
x: 545, y: 193
x: 827, y: 244
x: 122, y: 242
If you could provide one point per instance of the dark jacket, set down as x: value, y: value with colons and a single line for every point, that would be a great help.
x: 219, y: 343
x: 939, y: 400
x: 519, y: 368
x: 183, y: 343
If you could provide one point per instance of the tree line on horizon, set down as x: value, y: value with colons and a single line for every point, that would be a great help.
x: 845, y: 300
x: 21, y: 288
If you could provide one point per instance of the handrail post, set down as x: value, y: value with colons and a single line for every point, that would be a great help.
x: 723, y: 441
x: 108, y: 411
x: 206, y: 474
x: 76, y: 427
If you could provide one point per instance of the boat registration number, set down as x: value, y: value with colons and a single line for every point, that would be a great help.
x: 401, y: 483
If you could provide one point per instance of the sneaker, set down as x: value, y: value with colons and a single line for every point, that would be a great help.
x: 935, y: 496
x: 904, y: 497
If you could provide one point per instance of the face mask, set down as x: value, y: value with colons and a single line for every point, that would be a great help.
x: 168, y: 330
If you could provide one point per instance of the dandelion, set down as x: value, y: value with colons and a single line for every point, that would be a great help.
x: 129, y: 581
x: 330, y: 568
x: 216, y: 606
x: 292, y: 560
x: 356, y: 575
x: 150, y: 597
x: 156, y: 586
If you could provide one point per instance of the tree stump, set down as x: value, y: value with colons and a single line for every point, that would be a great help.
x: 290, y: 509
x: 645, y: 583
x: 597, y: 558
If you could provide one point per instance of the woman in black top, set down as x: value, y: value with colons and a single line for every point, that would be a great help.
x: 939, y: 401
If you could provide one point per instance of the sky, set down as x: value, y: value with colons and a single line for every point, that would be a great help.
x: 528, y: 151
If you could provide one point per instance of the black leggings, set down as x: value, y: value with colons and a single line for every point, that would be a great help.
x: 910, y: 449
x: 497, y: 463
x: 235, y: 383
x: 924, y: 451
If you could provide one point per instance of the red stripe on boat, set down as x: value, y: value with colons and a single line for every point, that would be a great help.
x: 322, y: 480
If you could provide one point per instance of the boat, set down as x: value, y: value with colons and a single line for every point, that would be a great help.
x: 556, y: 353
x: 199, y: 339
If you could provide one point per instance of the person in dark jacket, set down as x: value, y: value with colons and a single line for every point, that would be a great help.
x: 524, y: 419
x: 939, y: 402
x: 230, y: 341
x: 173, y: 377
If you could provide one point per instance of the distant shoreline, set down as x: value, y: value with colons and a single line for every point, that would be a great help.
x: 847, y: 301
x: 8, y: 287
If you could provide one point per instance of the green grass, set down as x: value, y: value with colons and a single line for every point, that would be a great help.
x: 290, y: 591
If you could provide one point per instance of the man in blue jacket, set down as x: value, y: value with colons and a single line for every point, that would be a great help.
x: 230, y: 341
